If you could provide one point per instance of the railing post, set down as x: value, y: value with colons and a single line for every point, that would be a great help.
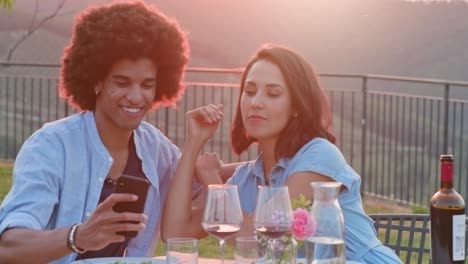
x: 166, y: 121
x: 65, y: 106
x: 363, y: 135
x: 446, y: 116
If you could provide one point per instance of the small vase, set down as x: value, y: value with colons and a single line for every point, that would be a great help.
x: 282, y: 251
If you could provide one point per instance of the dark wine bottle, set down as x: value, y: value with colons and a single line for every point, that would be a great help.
x: 447, y: 219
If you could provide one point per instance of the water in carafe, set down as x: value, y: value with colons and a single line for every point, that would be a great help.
x: 326, y: 245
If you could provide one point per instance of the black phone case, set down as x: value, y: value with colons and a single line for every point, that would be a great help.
x: 133, y: 185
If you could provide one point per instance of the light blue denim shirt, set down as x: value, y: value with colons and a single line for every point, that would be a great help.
x: 321, y: 156
x: 59, y: 174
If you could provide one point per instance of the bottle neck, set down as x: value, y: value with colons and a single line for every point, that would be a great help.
x: 446, y: 175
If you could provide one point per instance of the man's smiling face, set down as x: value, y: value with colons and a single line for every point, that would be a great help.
x: 126, y: 94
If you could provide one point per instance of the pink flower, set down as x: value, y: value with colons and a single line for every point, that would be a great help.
x: 303, y: 226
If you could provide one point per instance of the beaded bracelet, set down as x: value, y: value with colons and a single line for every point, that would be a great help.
x: 71, y: 240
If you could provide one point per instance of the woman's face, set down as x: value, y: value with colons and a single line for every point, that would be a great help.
x: 266, y: 105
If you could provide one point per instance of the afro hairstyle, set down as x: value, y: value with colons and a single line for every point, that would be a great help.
x: 106, y: 34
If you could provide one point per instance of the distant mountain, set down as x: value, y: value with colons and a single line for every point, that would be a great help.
x: 390, y: 37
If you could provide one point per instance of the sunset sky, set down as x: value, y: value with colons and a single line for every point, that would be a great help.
x: 395, y: 37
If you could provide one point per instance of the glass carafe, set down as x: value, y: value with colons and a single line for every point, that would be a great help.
x: 326, y: 245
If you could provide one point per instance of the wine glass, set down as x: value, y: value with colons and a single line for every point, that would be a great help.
x: 273, y: 214
x: 222, y: 217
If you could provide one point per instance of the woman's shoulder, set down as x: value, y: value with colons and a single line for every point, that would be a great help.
x: 318, y: 155
x: 321, y: 156
x: 321, y: 150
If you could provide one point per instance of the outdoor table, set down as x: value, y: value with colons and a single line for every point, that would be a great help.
x: 205, y: 260
x: 231, y: 261
x: 162, y: 260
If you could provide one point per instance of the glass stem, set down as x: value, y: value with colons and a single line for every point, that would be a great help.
x: 271, y: 242
x: 221, y: 247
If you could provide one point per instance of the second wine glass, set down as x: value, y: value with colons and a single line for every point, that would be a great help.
x: 273, y: 213
x: 222, y: 217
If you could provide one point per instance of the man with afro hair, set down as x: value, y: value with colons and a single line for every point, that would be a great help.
x: 124, y: 59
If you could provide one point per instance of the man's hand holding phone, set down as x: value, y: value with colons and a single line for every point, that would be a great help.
x: 102, y: 226
x: 118, y: 217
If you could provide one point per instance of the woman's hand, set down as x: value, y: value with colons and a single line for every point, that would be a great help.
x: 101, y: 227
x: 248, y: 227
x: 208, y: 169
x: 202, y: 122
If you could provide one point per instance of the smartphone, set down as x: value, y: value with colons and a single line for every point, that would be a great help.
x: 133, y: 185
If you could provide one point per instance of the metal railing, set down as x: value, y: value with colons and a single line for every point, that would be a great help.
x: 391, y: 129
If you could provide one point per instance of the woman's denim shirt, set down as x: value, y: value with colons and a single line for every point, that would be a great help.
x: 321, y: 156
x: 59, y: 174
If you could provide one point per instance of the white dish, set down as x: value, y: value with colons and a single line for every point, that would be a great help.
x: 128, y: 260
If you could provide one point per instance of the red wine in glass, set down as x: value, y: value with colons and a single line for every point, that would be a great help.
x: 273, y: 232
x: 221, y: 231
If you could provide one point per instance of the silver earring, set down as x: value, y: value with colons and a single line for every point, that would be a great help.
x: 96, y: 91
